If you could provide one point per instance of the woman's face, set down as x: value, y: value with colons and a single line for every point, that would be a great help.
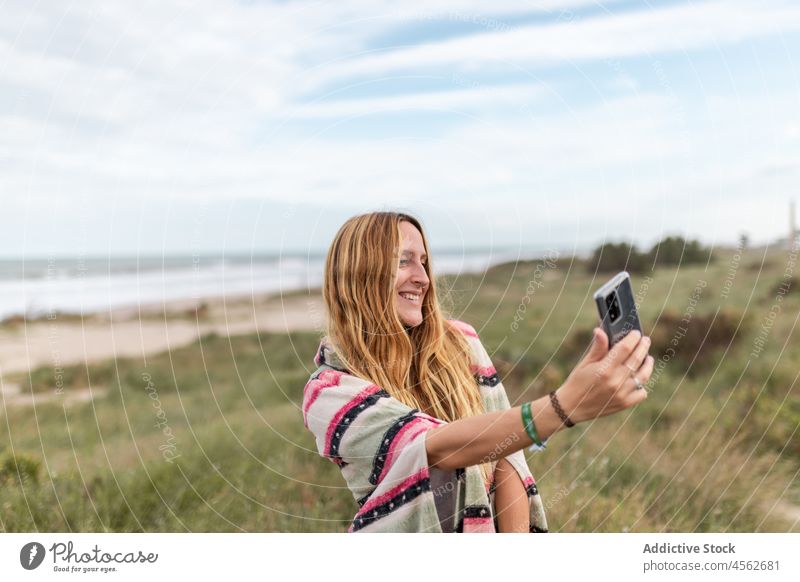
x: 412, y: 282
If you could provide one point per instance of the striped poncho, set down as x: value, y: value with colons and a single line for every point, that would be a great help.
x: 379, y: 444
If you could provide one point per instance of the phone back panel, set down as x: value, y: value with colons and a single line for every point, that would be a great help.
x: 628, y: 319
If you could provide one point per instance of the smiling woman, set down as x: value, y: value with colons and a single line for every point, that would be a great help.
x: 412, y: 279
x: 409, y: 406
x: 391, y: 369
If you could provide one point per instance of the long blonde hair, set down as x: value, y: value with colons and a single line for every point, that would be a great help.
x: 427, y: 366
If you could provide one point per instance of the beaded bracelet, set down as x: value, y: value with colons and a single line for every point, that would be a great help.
x: 530, y: 427
x: 560, y: 411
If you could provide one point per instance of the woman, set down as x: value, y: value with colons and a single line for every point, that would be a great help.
x: 409, y: 406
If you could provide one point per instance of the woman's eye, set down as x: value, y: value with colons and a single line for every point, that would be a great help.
x: 403, y: 261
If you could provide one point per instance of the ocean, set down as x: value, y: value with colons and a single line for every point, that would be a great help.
x: 84, y: 285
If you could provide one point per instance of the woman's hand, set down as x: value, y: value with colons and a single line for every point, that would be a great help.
x: 601, y: 384
x: 603, y: 381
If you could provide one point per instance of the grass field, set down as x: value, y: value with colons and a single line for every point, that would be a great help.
x: 210, y: 437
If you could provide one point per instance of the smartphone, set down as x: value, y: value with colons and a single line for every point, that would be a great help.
x: 617, y: 308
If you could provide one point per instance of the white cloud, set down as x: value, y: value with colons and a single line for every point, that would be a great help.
x: 191, y: 100
x: 484, y: 97
x: 645, y: 31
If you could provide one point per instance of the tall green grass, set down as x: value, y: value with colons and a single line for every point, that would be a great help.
x: 713, y: 448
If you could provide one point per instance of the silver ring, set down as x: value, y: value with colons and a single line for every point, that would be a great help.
x: 639, y: 385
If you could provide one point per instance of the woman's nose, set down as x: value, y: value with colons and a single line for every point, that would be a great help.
x: 419, y: 276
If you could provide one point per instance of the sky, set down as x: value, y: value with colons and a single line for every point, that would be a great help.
x: 256, y: 127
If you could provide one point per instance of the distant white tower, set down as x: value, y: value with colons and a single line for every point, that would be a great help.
x: 792, y: 226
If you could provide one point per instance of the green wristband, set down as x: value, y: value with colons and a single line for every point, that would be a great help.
x: 527, y: 422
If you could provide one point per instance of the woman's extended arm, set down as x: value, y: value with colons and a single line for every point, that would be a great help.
x: 601, y: 384
x: 488, y: 437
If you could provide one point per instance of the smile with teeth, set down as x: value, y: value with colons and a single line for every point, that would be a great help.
x: 410, y: 297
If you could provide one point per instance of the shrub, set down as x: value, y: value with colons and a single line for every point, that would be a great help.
x: 21, y: 467
x: 784, y: 287
x: 615, y: 257
x: 671, y: 251
x: 47, y: 378
x: 676, y: 250
x: 693, y: 341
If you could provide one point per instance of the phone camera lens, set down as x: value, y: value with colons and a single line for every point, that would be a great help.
x: 612, y: 303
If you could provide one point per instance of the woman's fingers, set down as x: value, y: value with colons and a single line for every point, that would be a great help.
x: 599, y: 348
x: 644, y: 372
x: 623, y: 349
x: 637, y: 395
x: 600, y: 388
x: 637, y: 357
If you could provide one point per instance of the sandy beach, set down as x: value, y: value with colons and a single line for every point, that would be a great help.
x: 141, y: 331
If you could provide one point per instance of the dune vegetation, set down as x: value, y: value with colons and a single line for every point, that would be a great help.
x: 210, y: 437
